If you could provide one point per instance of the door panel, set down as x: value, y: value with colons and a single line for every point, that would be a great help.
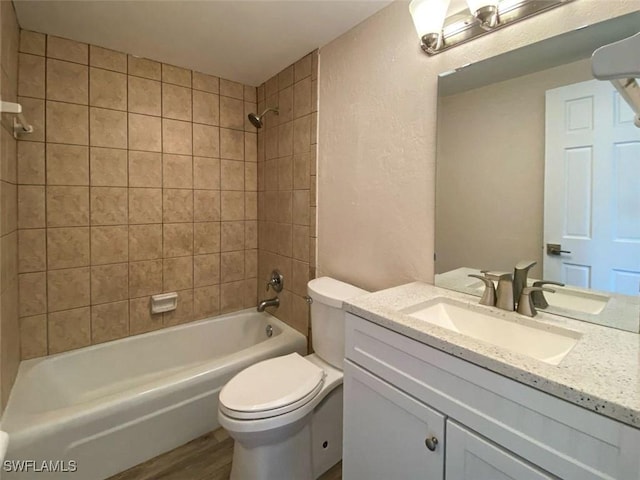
x: 626, y: 165
x: 578, y: 164
x: 576, y: 275
x: 385, y: 432
x: 471, y: 457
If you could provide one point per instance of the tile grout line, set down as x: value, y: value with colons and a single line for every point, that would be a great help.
x: 89, y: 141
x: 193, y: 250
x: 128, y: 192
x: 162, y: 186
x: 46, y: 205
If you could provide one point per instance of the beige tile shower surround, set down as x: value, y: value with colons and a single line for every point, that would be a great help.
x: 140, y: 178
x: 9, y: 327
x: 287, y: 151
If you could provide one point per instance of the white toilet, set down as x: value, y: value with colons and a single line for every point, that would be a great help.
x: 285, y: 414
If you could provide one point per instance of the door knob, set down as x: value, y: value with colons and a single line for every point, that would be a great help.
x: 555, y: 249
x: 431, y: 443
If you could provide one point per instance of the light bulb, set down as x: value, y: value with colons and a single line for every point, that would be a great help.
x: 428, y: 15
x: 475, y: 5
x: 486, y: 11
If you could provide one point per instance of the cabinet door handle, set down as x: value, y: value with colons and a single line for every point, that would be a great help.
x: 431, y: 443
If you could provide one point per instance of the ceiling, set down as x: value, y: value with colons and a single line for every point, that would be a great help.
x: 243, y: 40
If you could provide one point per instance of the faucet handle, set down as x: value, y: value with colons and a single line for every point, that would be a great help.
x: 537, y: 297
x: 489, y: 295
x: 525, y: 304
x: 276, y: 281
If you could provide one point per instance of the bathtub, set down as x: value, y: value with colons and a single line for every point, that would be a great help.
x: 111, y: 406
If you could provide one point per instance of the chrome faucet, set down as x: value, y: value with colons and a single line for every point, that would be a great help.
x: 512, y: 292
x: 520, y: 273
x: 271, y: 302
x: 276, y: 282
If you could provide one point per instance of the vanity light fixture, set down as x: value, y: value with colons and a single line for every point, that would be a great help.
x: 438, y: 32
x: 428, y: 18
x: 486, y: 12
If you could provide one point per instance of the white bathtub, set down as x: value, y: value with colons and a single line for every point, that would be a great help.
x: 111, y: 406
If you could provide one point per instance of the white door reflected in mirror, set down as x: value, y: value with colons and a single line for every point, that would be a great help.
x: 490, y: 176
x: 592, y: 170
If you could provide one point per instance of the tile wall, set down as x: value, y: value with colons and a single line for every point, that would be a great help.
x: 9, y: 328
x: 140, y: 178
x: 287, y: 148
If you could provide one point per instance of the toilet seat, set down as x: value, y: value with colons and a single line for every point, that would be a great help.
x: 272, y: 387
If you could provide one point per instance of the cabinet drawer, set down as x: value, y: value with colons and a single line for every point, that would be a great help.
x: 563, y: 439
x: 385, y: 432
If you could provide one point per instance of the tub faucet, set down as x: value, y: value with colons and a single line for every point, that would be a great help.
x: 271, y: 302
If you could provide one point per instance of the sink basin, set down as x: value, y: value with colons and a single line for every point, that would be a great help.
x: 565, y: 298
x: 575, y: 300
x: 547, y: 343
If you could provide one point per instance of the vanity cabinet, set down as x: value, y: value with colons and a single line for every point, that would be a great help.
x: 399, y: 393
x: 386, y: 430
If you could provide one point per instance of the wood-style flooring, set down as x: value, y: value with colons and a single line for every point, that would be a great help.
x: 205, y: 458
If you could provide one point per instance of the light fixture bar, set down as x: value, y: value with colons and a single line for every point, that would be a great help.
x: 464, y: 27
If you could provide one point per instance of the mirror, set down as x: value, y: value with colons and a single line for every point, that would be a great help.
x: 527, y: 157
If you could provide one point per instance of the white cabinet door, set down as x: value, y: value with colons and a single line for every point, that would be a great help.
x: 385, y: 432
x: 471, y: 457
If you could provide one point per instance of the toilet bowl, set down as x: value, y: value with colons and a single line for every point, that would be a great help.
x: 285, y: 413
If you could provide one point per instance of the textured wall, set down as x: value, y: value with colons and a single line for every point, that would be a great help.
x: 140, y: 178
x: 9, y: 328
x: 287, y: 186
x: 377, y: 137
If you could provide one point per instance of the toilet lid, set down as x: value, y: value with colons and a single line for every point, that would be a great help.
x: 269, y: 387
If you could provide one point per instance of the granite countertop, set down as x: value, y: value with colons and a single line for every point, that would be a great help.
x: 601, y: 373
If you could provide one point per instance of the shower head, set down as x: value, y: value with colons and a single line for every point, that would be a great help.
x: 256, y: 120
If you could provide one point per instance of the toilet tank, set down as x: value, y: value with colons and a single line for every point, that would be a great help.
x: 327, y: 317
